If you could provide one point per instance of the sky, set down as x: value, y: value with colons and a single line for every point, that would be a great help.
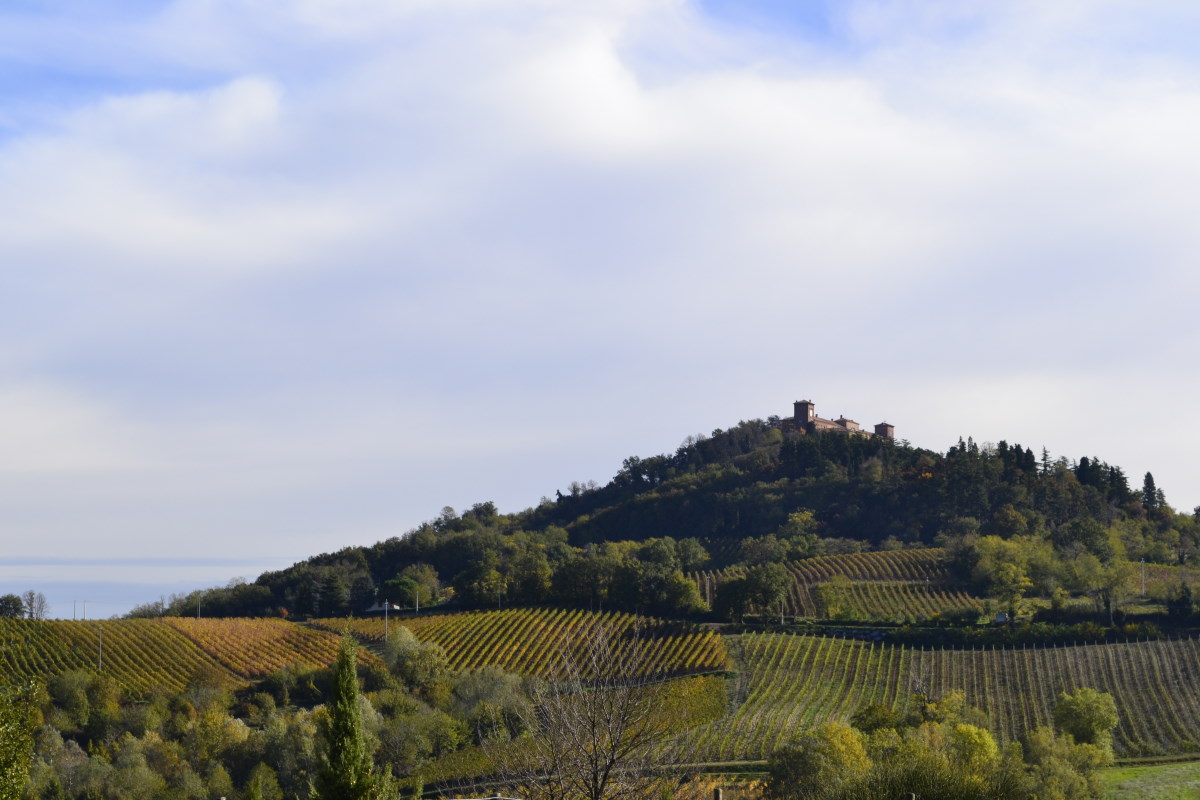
x: 283, y: 276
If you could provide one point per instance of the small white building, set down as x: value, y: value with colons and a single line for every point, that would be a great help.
x: 380, y: 608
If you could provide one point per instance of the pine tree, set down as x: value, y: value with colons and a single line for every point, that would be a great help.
x: 346, y: 771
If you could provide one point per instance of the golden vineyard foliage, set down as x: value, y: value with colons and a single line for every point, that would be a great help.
x: 140, y: 654
x: 143, y: 655
x: 529, y: 640
x: 253, y: 648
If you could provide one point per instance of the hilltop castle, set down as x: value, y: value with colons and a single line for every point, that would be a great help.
x: 805, y: 418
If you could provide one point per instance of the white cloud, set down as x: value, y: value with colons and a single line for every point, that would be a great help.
x: 234, y: 121
x: 165, y: 181
x: 47, y: 431
x: 325, y: 267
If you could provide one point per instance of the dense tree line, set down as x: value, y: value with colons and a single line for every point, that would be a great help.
x: 486, y: 568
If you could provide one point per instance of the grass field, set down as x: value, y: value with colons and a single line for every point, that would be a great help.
x: 1162, y: 782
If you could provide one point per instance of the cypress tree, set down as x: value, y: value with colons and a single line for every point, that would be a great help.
x: 346, y: 771
x: 1149, y: 493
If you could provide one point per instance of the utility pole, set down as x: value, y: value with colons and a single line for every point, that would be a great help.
x: 1143, y: 576
x: 386, y: 603
x: 101, y: 647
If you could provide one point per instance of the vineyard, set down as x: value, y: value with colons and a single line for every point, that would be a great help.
x: 912, y: 585
x: 888, y: 601
x: 722, y: 552
x: 786, y: 681
x: 140, y: 654
x: 144, y: 655
x: 531, y: 639
x: 254, y: 648
x: 792, y: 681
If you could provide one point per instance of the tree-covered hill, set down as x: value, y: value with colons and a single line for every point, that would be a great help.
x: 759, y: 493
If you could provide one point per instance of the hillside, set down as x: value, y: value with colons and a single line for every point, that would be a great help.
x: 763, y: 491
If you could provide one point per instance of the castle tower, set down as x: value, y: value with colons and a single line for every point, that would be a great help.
x: 805, y: 412
x: 885, y: 431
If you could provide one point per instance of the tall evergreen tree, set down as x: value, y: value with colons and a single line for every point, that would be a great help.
x: 346, y: 771
x: 1149, y: 493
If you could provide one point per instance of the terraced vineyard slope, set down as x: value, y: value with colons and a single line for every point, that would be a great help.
x: 911, y: 585
x: 529, y: 639
x: 253, y: 648
x: 795, y: 681
x: 140, y: 654
x: 147, y: 654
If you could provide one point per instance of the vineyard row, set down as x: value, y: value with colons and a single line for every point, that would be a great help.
x: 796, y: 681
